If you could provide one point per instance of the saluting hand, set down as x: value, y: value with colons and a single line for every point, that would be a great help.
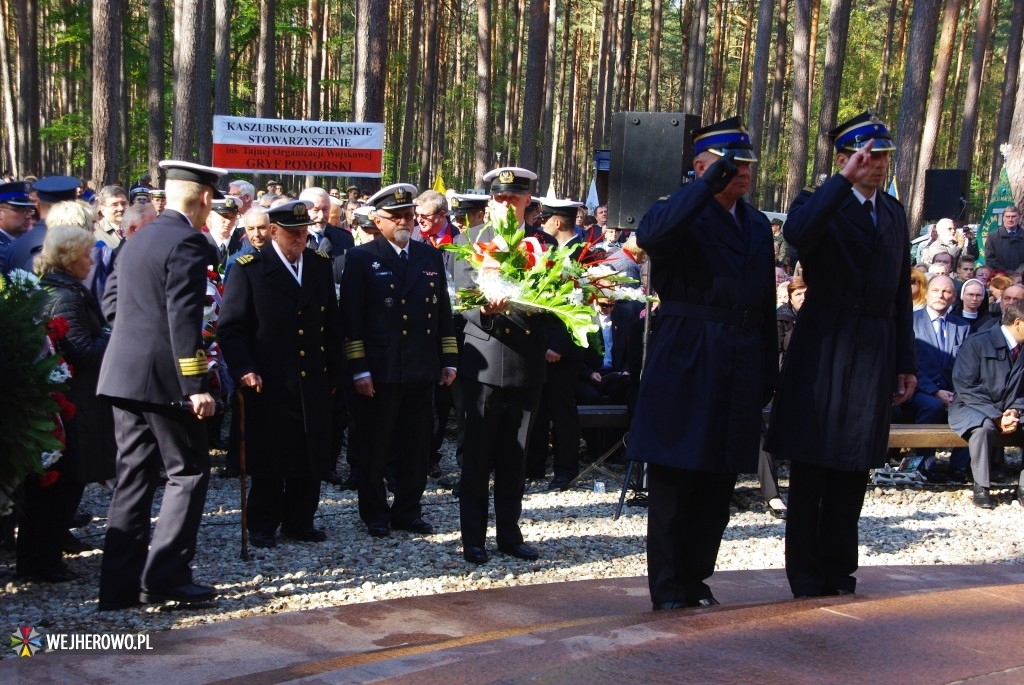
x: 719, y: 174
x: 858, y: 166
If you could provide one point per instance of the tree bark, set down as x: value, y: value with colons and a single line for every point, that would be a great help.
x: 29, y: 153
x: 107, y: 90
x: 694, y: 90
x: 222, y: 57
x: 371, y: 65
x: 11, y: 137
x: 801, y: 74
x: 759, y: 83
x: 156, y: 145
x: 657, y: 16
x: 939, y: 81
x: 266, y: 61
x: 1015, y: 154
x: 430, y: 66
x: 965, y: 155
x: 920, y: 48
x: 412, y: 78
x: 482, y: 147
x: 885, y: 66
x: 546, y: 171
x: 204, y: 82
x: 1006, y: 103
x: 775, y: 115
x: 835, y: 52
x: 534, y: 87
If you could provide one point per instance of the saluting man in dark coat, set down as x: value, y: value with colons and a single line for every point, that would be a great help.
x: 278, y: 328
x: 399, y: 343
x: 156, y: 357
x: 850, y: 358
x: 712, y: 361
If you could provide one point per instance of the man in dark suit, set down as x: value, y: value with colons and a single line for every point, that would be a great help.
x: 1004, y: 248
x: 850, y: 359
x: 156, y: 359
x: 712, y: 361
x: 333, y: 240
x: 988, y: 377
x: 938, y: 334
x: 48, y: 191
x: 565, y: 364
x: 501, y: 369
x: 279, y: 331
x: 399, y: 343
x: 15, y: 220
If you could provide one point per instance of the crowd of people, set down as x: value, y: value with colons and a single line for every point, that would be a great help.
x: 296, y: 329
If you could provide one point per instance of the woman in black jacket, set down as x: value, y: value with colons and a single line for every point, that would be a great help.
x: 89, y: 454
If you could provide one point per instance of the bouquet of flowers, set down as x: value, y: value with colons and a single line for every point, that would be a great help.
x: 528, y: 275
x: 35, y: 378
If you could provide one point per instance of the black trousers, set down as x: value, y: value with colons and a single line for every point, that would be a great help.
x: 558, y: 405
x: 767, y: 475
x: 497, y: 428
x: 398, y: 419
x: 289, y: 502
x: 45, y: 516
x: 687, y: 514
x: 149, y: 437
x: 821, y: 528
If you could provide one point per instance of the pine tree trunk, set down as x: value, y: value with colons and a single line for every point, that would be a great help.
x: 371, y: 66
x: 759, y: 84
x: 965, y: 155
x: 920, y: 48
x: 694, y: 90
x: 28, y: 86
x: 430, y: 66
x: 801, y: 74
x: 10, y: 114
x: 106, y: 91
x: 654, y: 97
x: 482, y: 147
x: 204, y: 83
x: 412, y: 78
x: 835, y: 51
x: 1006, y: 102
x: 547, y: 149
x: 266, y: 60
x: 156, y: 145
x: 939, y: 80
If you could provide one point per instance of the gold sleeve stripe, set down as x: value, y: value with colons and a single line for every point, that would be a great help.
x: 190, y: 366
x: 449, y: 345
x: 355, y: 349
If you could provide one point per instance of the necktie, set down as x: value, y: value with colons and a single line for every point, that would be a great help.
x: 868, y: 205
x: 1014, y: 353
x: 403, y: 256
x: 295, y: 268
x: 940, y: 333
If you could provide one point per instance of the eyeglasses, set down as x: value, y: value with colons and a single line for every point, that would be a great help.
x: 408, y: 215
x: 20, y: 210
x: 427, y: 216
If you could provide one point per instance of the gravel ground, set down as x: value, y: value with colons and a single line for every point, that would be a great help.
x: 573, y: 531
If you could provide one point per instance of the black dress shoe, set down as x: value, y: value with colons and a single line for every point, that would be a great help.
x: 780, y: 513
x: 118, y: 604
x: 264, y: 540
x: 378, y: 530
x: 183, y: 594
x: 666, y: 606
x: 475, y: 555
x: 71, y: 544
x: 708, y: 601
x: 521, y: 551
x: 417, y: 525
x: 56, y: 574
x: 81, y: 520
x: 559, y: 483
x: 311, y: 534
x: 982, y: 498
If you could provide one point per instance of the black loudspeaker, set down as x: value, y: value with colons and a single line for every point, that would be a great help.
x: 946, y: 193
x: 651, y: 155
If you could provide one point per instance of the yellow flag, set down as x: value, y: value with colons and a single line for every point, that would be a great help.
x: 439, y: 183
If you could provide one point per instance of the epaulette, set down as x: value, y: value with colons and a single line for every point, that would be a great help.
x: 323, y: 254
x: 245, y: 259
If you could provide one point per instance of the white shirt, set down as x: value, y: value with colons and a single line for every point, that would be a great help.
x: 294, y: 269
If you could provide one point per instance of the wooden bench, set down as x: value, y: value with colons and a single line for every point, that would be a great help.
x: 603, y: 416
x: 912, y: 435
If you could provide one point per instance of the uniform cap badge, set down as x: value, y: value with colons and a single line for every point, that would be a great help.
x: 506, y: 177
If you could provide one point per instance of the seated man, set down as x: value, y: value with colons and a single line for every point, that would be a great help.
x: 938, y: 335
x: 989, y: 381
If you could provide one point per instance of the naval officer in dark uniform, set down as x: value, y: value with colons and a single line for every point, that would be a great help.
x: 502, y: 369
x: 712, y: 361
x: 399, y: 343
x: 155, y: 359
x: 278, y: 328
x: 851, y: 358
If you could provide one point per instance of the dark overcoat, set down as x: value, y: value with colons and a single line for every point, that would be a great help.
x: 855, y: 331
x: 713, y: 358
x: 1004, y: 252
x: 90, y: 433
x: 399, y: 328
x: 289, y: 335
x: 985, y: 381
x: 156, y: 352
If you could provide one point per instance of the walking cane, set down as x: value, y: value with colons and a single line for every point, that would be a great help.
x: 241, y: 474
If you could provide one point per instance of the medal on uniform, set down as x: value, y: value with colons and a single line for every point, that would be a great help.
x: 375, y: 265
x: 435, y: 299
x: 388, y: 302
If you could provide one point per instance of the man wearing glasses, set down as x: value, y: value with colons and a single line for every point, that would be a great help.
x: 16, y: 214
x: 399, y: 344
x: 435, y: 228
x: 111, y: 202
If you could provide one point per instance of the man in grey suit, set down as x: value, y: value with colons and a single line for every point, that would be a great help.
x: 989, y: 381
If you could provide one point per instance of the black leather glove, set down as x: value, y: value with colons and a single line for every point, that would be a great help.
x: 718, y: 175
